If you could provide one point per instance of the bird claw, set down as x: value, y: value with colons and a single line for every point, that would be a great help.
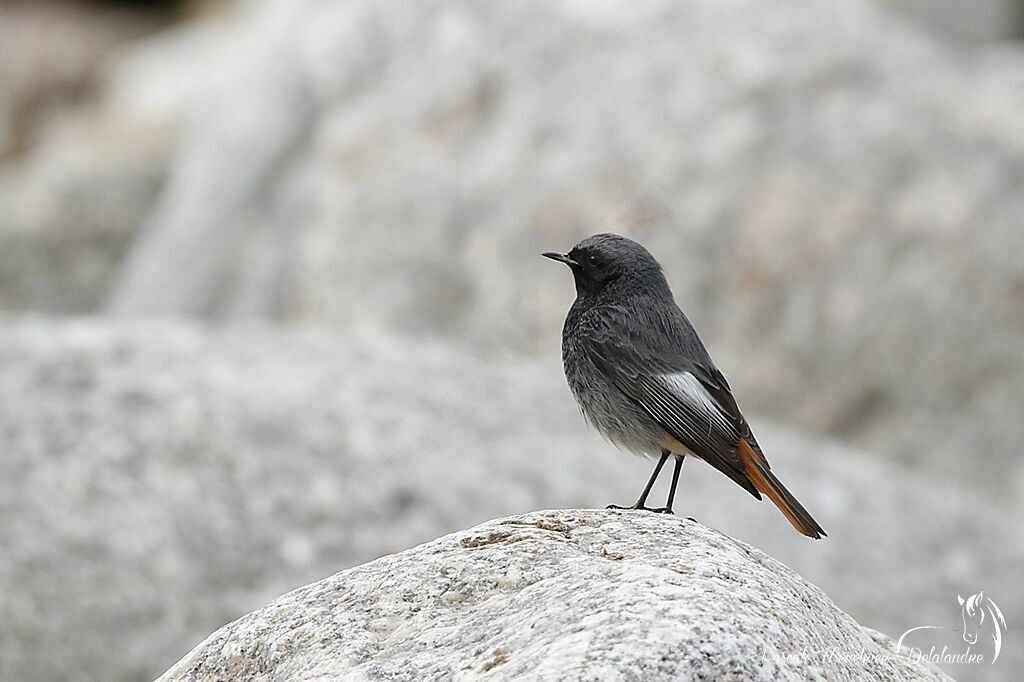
x: 640, y: 507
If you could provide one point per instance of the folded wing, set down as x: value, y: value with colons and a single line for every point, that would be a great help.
x: 692, y: 401
x: 686, y: 400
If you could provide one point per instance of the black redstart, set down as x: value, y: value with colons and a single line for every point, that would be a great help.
x: 642, y: 377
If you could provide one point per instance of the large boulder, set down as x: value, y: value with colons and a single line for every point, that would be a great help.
x: 835, y: 195
x: 76, y: 178
x: 71, y: 207
x: 53, y: 52
x: 159, y: 480
x: 557, y: 595
x: 981, y: 21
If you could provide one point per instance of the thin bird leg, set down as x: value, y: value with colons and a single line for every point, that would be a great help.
x: 667, y: 509
x: 641, y: 503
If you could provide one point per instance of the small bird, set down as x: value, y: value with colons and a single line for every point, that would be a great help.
x: 643, y: 378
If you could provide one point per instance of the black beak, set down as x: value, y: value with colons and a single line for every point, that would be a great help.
x: 561, y: 258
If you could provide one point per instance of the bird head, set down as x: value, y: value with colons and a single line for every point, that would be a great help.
x: 606, y: 261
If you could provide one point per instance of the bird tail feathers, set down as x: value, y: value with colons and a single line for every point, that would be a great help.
x: 756, y: 469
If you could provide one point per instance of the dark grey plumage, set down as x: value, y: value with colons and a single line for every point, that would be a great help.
x: 643, y: 378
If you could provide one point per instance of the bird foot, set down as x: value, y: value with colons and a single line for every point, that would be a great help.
x: 640, y: 507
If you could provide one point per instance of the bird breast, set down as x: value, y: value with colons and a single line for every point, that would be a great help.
x: 608, y: 410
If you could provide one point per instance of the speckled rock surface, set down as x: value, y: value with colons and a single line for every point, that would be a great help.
x: 160, y: 480
x: 556, y: 595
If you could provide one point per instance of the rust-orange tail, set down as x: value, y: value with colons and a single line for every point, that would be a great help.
x: 755, y: 466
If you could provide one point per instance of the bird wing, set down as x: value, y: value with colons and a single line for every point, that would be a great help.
x: 687, y: 397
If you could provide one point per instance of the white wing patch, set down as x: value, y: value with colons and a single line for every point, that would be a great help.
x: 688, y: 388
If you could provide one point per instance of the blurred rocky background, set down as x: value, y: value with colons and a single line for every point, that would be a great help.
x: 305, y: 238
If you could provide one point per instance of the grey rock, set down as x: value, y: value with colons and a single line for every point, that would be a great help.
x: 76, y: 178
x: 86, y: 134
x: 836, y: 196
x: 70, y: 209
x: 556, y: 595
x: 975, y: 22
x: 52, y: 58
x: 158, y: 480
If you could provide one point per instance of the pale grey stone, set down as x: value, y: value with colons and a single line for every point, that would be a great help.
x: 979, y: 21
x: 70, y: 210
x: 588, y: 595
x: 76, y: 178
x: 158, y: 480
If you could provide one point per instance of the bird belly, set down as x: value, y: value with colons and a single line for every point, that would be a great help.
x: 668, y: 442
x: 621, y: 421
x: 639, y: 434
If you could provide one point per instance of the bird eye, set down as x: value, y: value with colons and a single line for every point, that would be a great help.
x: 592, y: 260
